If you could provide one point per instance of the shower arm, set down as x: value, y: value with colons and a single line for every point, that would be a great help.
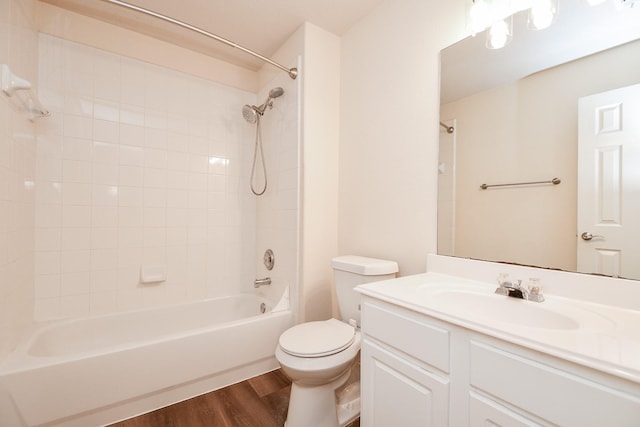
x: 293, y: 72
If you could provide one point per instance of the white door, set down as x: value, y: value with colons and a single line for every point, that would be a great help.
x: 608, y: 237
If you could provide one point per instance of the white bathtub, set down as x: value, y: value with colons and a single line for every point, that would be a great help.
x: 99, y: 370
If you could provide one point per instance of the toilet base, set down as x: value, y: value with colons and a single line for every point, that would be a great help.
x: 330, y: 405
x: 348, y: 403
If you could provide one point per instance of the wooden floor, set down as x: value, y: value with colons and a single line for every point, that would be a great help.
x: 261, y: 401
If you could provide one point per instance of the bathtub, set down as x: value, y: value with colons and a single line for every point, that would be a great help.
x: 103, y: 369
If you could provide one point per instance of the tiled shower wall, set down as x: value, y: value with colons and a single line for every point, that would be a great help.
x: 138, y: 166
x: 18, y: 49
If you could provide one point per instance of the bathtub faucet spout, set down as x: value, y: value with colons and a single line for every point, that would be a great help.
x: 262, y: 282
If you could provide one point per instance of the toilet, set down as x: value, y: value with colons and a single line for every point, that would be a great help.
x: 318, y: 356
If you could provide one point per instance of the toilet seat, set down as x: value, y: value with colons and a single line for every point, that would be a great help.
x: 317, y: 339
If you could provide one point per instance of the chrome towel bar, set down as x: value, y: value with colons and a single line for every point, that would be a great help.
x: 554, y: 181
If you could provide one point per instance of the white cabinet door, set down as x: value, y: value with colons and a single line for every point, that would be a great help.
x: 396, y: 392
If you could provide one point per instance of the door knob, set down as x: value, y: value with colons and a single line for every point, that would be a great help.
x: 588, y: 236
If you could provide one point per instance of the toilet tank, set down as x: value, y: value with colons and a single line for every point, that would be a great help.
x: 350, y: 271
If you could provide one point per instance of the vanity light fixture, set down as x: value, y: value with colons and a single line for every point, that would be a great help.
x: 496, y: 16
x: 542, y: 14
x: 479, y: 16
x: 500, y: 33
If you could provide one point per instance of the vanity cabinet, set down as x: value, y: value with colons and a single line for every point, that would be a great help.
x: 421, y: 371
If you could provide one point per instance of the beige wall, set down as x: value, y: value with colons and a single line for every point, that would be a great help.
x: 320, y: 119
x: 81, y: 29
x: 389, y: 129
x: 18, y: 49
x: 498, y: 142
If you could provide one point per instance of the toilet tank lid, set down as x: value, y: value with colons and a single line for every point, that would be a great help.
x: 364, y: 265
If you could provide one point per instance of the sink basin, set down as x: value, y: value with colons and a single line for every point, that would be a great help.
x: 503, y: 309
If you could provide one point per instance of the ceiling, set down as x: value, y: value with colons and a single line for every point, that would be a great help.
x: 260, y: 25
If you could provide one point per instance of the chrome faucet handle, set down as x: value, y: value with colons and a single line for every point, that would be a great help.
x: 534, y: 293
x: 516, y: 284
x: 504, y: 284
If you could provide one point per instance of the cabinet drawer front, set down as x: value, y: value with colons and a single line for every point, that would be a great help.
x: 484, y: 412
x: 552, y: 394
x: 400, y: 329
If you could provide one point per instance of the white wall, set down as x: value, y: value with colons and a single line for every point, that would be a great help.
x: 18, y: 49
x: 389, y: 129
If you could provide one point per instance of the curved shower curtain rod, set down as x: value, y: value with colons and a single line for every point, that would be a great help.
x: 293, y: 72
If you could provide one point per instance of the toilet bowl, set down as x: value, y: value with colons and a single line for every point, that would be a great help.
x: 318, y: 356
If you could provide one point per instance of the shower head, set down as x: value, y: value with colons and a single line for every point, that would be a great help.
x: 276, y: 92
x: 251, y: 113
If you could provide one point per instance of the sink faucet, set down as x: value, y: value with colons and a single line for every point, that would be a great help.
x: 516, y: 289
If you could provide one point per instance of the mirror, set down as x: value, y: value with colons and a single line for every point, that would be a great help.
x: 514, y: 112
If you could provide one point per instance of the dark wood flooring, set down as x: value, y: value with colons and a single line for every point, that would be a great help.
x: 261, y: 401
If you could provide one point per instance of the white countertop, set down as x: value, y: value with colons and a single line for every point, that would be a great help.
x: 602, y: 337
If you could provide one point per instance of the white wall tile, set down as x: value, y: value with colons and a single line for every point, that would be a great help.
x: 105, y: 152
x: 155, y: 178
x: 47, y: 263
x: 105, y: 216
x: 130, y: 216
x: 75, y: 216
x: 105, y: 174
x: 75, y: 283
x: 46, y: 215
x: 77, y: 126
x: 74, y: 261
x: 47, y: 286
x: 104, y: 195
x: 75, y: 305
x: 48, y: 239
x: 125, y: 180
x: 104, y: 238
x: 131, y: 176
x: 74, y: 193
x: 76, y: 171
x: 76, y: 238
x: 131, y: 156
x: 78, y: 105
x: 132, y: 115
x: 130, y: 196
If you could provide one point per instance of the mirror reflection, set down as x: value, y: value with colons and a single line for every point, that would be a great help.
x: 541, y: 108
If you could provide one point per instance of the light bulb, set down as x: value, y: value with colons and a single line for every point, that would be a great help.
x: 499, y: 34
x: 479, y: 16
x: 542, y: 14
